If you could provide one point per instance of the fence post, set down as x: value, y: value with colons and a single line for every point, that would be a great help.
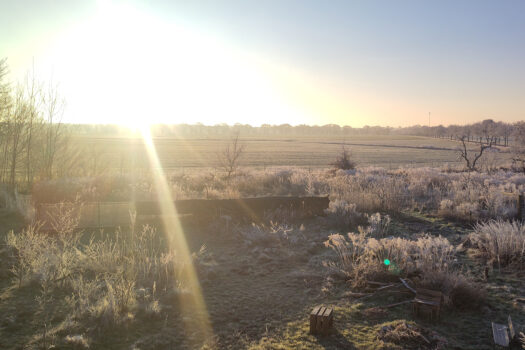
x: 521, y: 206
x: 98, y: 213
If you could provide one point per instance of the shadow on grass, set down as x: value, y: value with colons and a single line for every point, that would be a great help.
x: 334, y: 340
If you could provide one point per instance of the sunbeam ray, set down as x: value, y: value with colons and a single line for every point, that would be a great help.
x: 194, y: 310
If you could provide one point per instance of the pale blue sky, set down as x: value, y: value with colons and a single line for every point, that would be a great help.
x: 370, y: 62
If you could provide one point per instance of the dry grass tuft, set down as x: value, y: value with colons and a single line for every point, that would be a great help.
x: 500, y: 242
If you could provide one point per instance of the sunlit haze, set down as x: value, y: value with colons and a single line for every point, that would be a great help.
x: 351, y: 63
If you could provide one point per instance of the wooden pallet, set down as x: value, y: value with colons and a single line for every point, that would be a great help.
x: 321, y: 320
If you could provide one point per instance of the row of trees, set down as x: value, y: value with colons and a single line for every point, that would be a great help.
x: 32, y: 135
x: 473, y: 132
x: 501, y: 132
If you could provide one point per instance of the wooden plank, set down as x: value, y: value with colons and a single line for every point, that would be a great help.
x: 327, y: 320
x: 313, y: 319
x: 397, y: 304
x: 246, y: 207
x: 426, y: 302
x: 521, y: 207
x: 430, y: 293
x: 500, y: 335
x: 512, y: 333
x: 319, y: 323
x: 406, y: 285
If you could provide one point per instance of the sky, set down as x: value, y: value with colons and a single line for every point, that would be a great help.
x: 348, y: 62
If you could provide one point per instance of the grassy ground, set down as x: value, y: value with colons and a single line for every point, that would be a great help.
x: 259, y: 296
x: 311, y: 152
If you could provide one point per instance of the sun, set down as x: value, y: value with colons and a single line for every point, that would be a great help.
x: 126, y: 66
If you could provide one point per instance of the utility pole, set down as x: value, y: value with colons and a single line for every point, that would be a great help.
x: 429, y: 119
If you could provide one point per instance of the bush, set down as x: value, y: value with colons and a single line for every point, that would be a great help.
x: 500, y: 242
x: 430, y: 259
x: 461, y: 291
x: 344, y: 161
x: 343, y: 214
x: 378, y: 226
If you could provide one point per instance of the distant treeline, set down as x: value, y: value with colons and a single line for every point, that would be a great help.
x: 480, y: 129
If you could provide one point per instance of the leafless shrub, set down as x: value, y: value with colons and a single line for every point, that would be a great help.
x: 344, y: 160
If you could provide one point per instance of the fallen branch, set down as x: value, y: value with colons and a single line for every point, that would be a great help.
x: 397, y: 304
x: 365, y: 296
x: 424, y: 338
x: 376, y: 283
x: 385, y: 287
x: 406, y: 285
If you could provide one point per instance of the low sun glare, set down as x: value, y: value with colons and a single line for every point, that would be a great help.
x: 123, y: 65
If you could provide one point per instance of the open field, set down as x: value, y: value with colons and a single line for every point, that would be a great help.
x: 309, y: 152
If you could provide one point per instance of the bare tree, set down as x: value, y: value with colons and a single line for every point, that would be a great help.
x: 229, y: 158
x: 471, y: 160
x: 16, y: 125
x: 33, y: 91
x: 53, y: 107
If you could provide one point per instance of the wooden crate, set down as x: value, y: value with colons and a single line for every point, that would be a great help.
x: 321, y: 320
x: 428, y: 301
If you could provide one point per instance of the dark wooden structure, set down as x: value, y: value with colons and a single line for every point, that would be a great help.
x: 321, y: 320
x: 503, y: 335
x: 253, y: 209
x: 194, y: 211
x: 521, y: 207
x: 427, y: 301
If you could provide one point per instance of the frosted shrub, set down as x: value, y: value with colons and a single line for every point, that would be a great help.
x: 344, y: 214
x: 26, y: 250
x: 366, y: 255
x: 501, y: 242
x: 431, y: 258
x: 261, y: 235
x: 102, y: 276
x: 455, y: 195
x: 379, y: 225
x: 370, y: 191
